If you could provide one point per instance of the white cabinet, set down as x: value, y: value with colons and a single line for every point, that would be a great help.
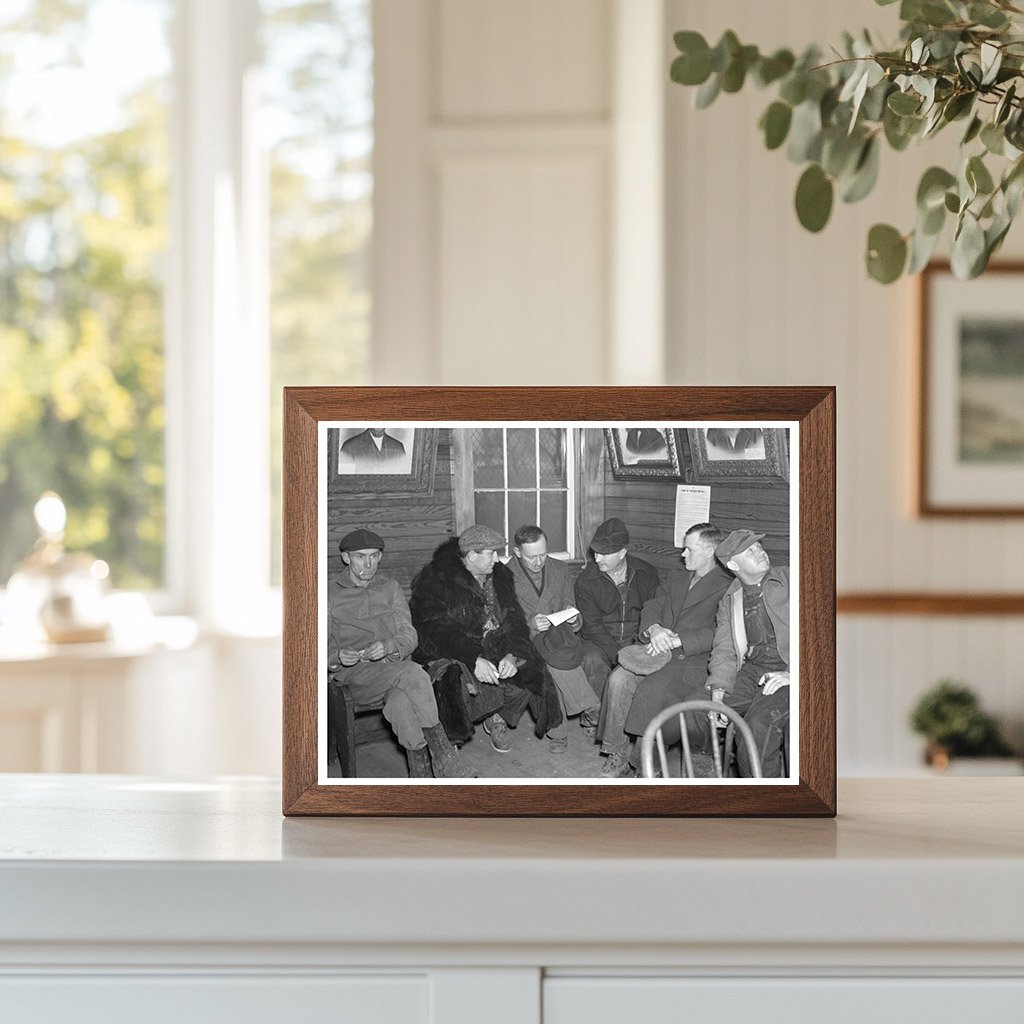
x: 824, y: 1000
x: 132, y: 898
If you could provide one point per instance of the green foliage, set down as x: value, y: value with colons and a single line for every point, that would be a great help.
x: 82, y: 231
x: 956, y: 60
x: 949, y: 715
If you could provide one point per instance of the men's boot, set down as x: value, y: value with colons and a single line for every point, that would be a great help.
x: 447, y: 763
x: 419, y: 763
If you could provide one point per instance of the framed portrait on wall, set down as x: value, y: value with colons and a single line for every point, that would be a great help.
x: 382, y: 459
x: 738, y: 452
x: 423, y: 675
x: 643, y: 451
x: 970, y: 422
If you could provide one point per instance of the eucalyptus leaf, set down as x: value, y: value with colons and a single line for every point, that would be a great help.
x: 972, y: 132
x: 991, y: 59
x: 865, y: 174
x: 987, y: 15
x: 931, y: 190
x: 886, y: 253
x: 993, y: 138
x: 978, y: 175
x: 968, y: 247
x: 771, y: 69
x: 794, y: 88
x: 775, y: 123
x: 814, y: 195
x: 1004, y: 106
x: 952, y: 202
x: 724, y: 51
x: 922, y: 248
x: 707, y: 93
x: 805, y: 133
x: 903, y: 103
x: 693, y: 65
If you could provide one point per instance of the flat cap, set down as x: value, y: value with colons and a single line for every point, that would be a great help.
x: 737, y: 541
x: 361, y: 540
x: 610, y: 536
x: 480, y: 538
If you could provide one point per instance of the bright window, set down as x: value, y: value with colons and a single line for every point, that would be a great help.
x: 522, y: 476
x: 83, y: 239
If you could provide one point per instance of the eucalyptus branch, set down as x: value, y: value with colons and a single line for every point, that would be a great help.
x: 833, y: 118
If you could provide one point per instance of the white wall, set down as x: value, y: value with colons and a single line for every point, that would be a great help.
x: 753, y: 298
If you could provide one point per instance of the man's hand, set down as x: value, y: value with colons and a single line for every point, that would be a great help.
x: 486, y: 671
x: 507, y: 666
x: 662, y: 640
x: 717, y: 718
x: 772, y: 681
x: 348, y: 657
x: 541, y: 623
x: 374, y: 652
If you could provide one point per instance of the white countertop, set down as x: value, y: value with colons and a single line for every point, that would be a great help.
x: 125, y: 859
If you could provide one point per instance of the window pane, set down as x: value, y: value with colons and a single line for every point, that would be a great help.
x: 317, y: 125
x: 552, y: 456
x: 490, y: 510
x: 553, y: 508
x: 488, y: 448
x: 84, y: 99
x: 522, y: 457
x: 522, y: 510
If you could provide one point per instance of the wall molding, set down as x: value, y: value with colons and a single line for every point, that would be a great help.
x: 928, y: 603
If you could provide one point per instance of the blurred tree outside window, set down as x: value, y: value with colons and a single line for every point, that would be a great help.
x: 83, y: 240
x: 317, y: 128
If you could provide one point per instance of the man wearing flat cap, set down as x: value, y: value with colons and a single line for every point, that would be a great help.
x: 370, y: 642
x: 610, y: 594
x: 475, y: 642
x: 749, y: 664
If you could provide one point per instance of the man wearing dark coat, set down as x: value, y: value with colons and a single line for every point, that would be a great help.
x: 678, y: 623
x: 610, y: 594
x: 475, y: 642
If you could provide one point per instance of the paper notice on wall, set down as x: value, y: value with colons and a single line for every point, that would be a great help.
x: 693, y: 505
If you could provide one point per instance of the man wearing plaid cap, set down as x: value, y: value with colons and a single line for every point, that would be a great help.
x: 749, y: 665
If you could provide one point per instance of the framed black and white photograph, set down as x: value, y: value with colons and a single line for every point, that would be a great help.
x: 738, y: 452
x: 644, y: 450
x: 525, y: 636
x: 970, y: 450
x: 386, y: 460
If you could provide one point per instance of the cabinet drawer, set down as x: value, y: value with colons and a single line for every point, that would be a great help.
x: 569, y: 1000
x: 222, y: 999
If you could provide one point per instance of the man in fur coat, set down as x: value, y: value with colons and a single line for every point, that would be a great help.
x: 475, y: 642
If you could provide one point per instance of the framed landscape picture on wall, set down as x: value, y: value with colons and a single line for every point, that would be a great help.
x: 970, y: 444
x: 531, y: 631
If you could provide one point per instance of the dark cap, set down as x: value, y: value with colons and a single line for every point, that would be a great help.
x: 361, y: 540
x: 610, y: 536
x: 480, y: 538
x: 737, y: 541
x: 560, y: 647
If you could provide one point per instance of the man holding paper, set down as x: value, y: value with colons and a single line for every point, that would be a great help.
x: 545, y: 592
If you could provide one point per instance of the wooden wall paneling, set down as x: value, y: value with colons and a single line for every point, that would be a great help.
x: 412, y: 526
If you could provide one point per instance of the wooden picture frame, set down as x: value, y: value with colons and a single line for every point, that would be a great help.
x: 636, y: 453
x: 408, y: 472
x: 970, y: 393
x: 737, y: 453
x: 808, y: 412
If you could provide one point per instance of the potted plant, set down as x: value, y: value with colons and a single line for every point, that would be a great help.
x: 950, y: 717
